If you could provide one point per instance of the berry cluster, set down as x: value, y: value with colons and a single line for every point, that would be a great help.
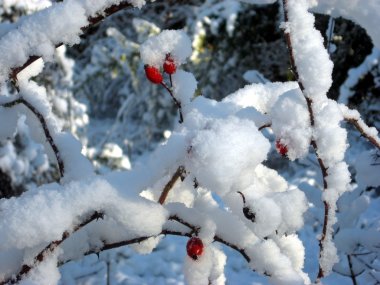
x: 155, y: 76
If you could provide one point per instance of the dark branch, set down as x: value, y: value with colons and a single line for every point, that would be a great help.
x: 45, y: 128
x: 353, y: 277
x: 176, y: 102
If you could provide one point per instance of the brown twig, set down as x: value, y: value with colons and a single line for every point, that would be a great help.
x: 92, y: 21
x: 313, y: 143
x: 194, y: 229
x: 176, y: 102
x: 370, y: 138
x: 180, y: 172
x: 45, y: 128
x: 26, y: 268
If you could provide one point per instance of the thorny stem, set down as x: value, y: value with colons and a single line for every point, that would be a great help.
x: 45, y: 128
x: 176, y: 102
x: 180, y: 173
x: 313, y: 143
x: 25, y: 269
x: 91, y: 22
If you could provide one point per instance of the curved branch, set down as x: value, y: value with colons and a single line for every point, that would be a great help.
x: 45, y: 128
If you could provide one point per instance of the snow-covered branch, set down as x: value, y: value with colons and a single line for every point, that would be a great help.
x: 353, y: 117
x: 26, y: 268
x: 42, y: 120
x: 75, y: 17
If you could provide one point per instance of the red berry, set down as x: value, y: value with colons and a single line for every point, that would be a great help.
x: 194, y: 247
x: 169, y: 65
x: 281, y: 148
x: 153, y: 74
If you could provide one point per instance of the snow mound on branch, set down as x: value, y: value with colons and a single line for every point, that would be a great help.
x: 291, y: 123
x: 176, y: 42
x: 225, y: 152
x: 65, y: 207
x: 40, y: 33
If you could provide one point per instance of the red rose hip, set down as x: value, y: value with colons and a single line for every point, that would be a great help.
x: 281, y: 148
x: 169, y: 65
x: 153, y: 74
x: 194, y: 247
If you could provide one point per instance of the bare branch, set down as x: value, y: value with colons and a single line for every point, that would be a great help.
x: 45, y: 128
x: 180, y: 172
x: 176, y: 102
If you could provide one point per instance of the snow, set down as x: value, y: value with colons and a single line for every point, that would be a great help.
x: 173, y: 42
x: 39, y: 34
x: 311, y: 58
x: 354, y: 75
x: 223, y: 152
x: 292, y: 128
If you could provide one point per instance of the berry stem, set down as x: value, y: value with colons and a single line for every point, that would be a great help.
x: 178, y: 104
x: 171, y: 80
